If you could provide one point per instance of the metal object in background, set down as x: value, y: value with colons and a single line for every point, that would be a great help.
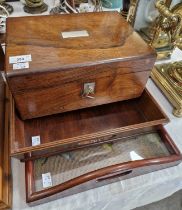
x: 35, y: 6
x: 97, y: 5
x: 64, y: 7
x: 72, y: 6
x: 169, y: 76
x: 164, y: 33
x: 169, y: 79
x: 125, y: 9
x: 4, y: 13
x: 89, y: 90
x: 167, y: 23
x: 132, y: 11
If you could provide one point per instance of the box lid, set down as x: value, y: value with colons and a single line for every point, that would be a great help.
x: 63, y: 41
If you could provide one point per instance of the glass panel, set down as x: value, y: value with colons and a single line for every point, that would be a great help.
x: 70, y: 165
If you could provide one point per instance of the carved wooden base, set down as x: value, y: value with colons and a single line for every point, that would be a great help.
x: 165, y: 76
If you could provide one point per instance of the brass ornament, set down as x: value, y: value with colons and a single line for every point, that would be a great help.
x: 35, y: 6
x: 169, y: 79
x: 164, y: 33
x: 69, y: 6
x: 125, y: 9
x: 64, y: 7
x: 132, y: 11
x: 169, y: 76
x: 97, y: 5
x: 168, y: 22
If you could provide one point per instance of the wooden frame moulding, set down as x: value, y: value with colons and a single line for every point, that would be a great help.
x: 105, y: 175
x: 147, y: 115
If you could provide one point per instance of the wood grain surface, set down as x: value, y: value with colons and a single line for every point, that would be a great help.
x: 85, y: 126
x: 101, y: 176
x: 110, y: 37
x: 113, y: 56
x: 5, y: 166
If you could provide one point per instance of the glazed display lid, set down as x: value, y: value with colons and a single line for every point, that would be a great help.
x: 61, y: 41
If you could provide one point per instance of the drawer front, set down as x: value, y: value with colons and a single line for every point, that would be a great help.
x: 83, y: 127
x: 80, y: 93
x: 85, y: 143
x: 91, y: 167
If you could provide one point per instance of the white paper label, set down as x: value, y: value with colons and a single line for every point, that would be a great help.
x: 35, y: 140
x: 72, y: 34
x: 46, y: 180
x: 20, y: 59
x: 135, y: 156
x: 17, y: 66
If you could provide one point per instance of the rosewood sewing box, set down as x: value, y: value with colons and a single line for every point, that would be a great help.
x: 75, y: 61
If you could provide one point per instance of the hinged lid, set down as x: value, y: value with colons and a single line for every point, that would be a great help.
x: 58, y: 42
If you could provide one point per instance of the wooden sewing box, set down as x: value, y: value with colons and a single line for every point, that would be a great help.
x: 114, y: 135
x: 71, y: 54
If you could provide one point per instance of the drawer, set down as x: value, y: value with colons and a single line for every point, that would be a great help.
x: 84, y: 127
x: 94, y: 166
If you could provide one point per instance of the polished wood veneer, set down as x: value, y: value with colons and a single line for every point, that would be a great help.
x: 82, y: 127
x: 155, y: 155
x: 113, y: 56
x: 5, y: 167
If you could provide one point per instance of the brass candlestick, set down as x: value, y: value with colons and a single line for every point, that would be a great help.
x: 35, y: 6
x: 169, y: 76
